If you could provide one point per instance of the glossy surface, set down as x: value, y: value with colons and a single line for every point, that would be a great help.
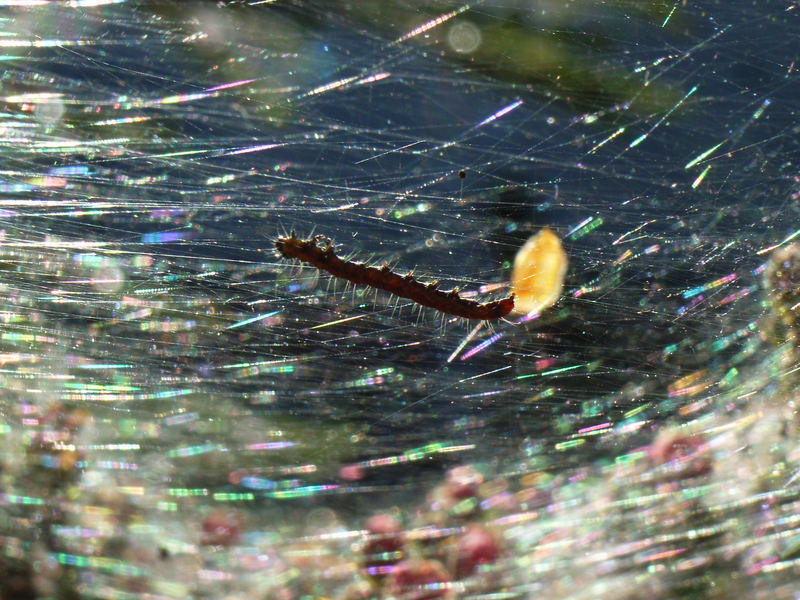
x: 538, y: 275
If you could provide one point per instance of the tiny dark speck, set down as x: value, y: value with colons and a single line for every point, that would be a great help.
x: 462, y: 174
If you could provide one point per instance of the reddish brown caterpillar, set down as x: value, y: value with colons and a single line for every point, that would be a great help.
x: 405, y: 286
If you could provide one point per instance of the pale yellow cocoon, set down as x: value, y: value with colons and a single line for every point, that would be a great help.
x: 538, y: 274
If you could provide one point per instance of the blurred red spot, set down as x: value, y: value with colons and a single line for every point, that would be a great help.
x: 419, y: 580
x: 386, y: 533
x: 463, y: 482
x: 220, y: 528
x: 475, y: 547
x: 384, y: 544
x: 687, y: 452
x: 351, y: 473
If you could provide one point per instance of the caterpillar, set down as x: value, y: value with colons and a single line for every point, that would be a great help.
x: 318, y: 251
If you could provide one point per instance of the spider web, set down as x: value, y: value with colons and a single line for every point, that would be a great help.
x: 164, y: 367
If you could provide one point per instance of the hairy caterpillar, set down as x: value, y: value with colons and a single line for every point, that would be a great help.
x: 318, y: 251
